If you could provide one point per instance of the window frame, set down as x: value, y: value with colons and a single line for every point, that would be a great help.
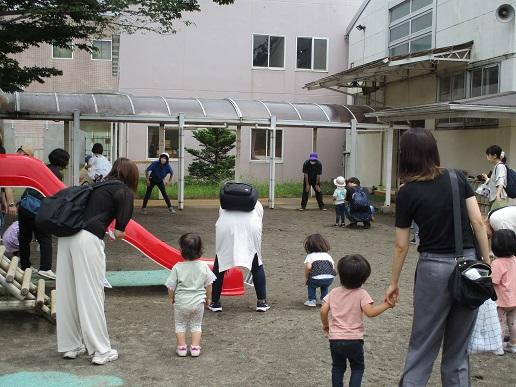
x: 269, y: 52
x: 468, y: 86
x: 111, y: 51
x: 278, y: 160
x: 312, y: 53
x: 428, y: 31
x: 57, y: 58
x: 482, y: 85
x: 164, y: 138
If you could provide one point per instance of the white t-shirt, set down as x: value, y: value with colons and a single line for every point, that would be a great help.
x: 498, y: 177
x: 313, y: 257
x: 504, y: 218
x: 238, y: 237
x: 98, y: 165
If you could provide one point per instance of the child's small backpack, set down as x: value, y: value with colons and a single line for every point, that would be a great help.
x: 359, y: 201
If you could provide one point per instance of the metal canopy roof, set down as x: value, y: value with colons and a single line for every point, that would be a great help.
x: 197, y: 111
x: 501, y: 105
x: 395, y: 68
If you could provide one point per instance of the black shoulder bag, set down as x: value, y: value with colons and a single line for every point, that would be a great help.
x: 470, y: 283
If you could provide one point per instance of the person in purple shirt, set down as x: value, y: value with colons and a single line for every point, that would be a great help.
x: 155, y: 174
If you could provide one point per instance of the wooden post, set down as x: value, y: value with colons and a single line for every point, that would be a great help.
x: 15, y: 292
x: 40, y: 295
x: 27, y: 276
x: 12, y: 269
x: 4, y: 265
x: 53, y: 304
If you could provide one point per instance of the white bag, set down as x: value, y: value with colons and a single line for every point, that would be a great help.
x: 487, y: 333
x: 483, y: 190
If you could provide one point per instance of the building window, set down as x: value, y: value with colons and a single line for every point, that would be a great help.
x: 485, y: 80
x: 410, y: 28
x: 312, y: 54
x: 62, y: 52
x: 268, y: 51
x: 171, y: 142
x: 102, y: 50
x: 261, y: 144
x: 452, y: 87
x: 482, y: 81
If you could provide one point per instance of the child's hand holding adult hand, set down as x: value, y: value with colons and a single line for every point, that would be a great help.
x: 392, y: 294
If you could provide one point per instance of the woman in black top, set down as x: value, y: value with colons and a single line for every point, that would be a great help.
x: 426, y: 198
x: 58, y: 161
x: 81, y: 267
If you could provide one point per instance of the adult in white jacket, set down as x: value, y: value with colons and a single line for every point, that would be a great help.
x: 239, y: 244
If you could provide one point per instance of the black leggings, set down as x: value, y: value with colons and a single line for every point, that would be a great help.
x: 258, y: 280
x: 27, y: 229
x: 161, y: 187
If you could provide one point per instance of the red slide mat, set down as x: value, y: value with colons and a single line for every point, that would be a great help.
x: 23, y: 171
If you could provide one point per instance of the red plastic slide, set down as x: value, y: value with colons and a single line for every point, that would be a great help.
x: 23, y: 171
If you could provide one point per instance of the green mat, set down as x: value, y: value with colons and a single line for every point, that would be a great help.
x: 137, y: 278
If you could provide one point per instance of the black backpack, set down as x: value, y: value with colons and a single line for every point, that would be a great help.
x: 62, y: 214
x: 238, y: 197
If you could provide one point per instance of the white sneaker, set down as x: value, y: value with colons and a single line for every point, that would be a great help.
x: 499, y: 352
x: 511, y: 348
x: 182, y: 351
x: 47, y: 274
x: 104, y: 358
x: 310, y: 303
x: 195, y: 351
x: 75, y: 353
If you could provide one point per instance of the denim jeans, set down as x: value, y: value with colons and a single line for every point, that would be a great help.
x: 347, y: 350
x: 312, y: 285
x: 359, y: 217
x: 340, y: 213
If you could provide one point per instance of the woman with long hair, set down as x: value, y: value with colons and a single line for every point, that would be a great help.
x: 498, y: 180
x: 81, y: 267
x: 426, y: 198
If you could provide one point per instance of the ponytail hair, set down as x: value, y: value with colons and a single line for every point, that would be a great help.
x: 496, y: 150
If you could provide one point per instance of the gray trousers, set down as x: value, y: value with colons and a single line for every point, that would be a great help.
x: 437, y: 319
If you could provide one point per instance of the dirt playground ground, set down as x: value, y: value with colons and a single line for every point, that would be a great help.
x: 283, y: 347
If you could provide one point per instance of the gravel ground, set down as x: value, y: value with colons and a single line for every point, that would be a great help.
x: 283, y: 347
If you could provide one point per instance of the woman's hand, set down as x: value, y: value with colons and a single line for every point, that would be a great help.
x: 485, y: 177
x: 326, y: 330
x: 392, y: 295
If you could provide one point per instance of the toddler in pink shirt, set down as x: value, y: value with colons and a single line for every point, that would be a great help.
x: 504, y: 280
x: 345, y: 327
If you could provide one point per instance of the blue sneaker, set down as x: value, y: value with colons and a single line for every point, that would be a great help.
x: 262, y: 306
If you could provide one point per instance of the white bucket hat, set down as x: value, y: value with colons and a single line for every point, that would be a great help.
x: 339, y: 181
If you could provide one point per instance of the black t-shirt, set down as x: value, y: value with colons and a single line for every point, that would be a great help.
x: 430, y: 205
x: 312, y: 170
x: 112, y: 201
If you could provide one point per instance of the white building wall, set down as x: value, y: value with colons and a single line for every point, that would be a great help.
x: 212, y: 58
x: 455, y: 22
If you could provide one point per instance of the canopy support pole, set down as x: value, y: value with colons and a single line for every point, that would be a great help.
x: 181, y: 181
x: 272, y: 163
x: 238, y: 152
x: 353, y: 149
x: 76, y: 145
x: 388, y: 165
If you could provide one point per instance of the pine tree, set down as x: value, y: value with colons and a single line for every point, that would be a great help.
x: 212, y: 162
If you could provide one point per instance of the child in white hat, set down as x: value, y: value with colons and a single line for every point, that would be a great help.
x: 339, y: 196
